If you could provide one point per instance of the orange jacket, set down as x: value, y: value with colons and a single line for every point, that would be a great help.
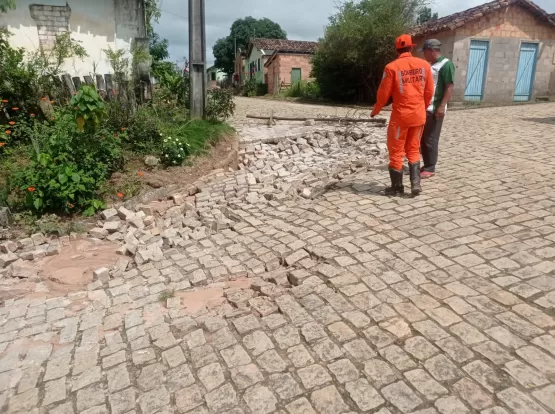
x: 409, y: 81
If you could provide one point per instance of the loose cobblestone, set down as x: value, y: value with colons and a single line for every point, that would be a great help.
x: 335, y: 299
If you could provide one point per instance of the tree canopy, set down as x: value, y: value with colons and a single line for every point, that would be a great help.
x: 425, y: 15
x: 6, y: 5
x: 358, y: 42
x: 242, y: 30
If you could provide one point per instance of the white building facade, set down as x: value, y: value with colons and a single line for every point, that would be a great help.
x: 97, y: 24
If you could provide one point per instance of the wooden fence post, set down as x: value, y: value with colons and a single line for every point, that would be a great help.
x: 68, y: 84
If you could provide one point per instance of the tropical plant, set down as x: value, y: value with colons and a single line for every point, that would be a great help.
x: 89, y: 109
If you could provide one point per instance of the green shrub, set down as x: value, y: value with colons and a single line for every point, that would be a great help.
x: 192, y: 138
x: 88, y: 108
x: 118, y: 115
x: 250, y: 88
x: 67, y: 167
x: 176, y: 150
x: 220, y: 105
x: 174, y: 86
x: 303, y: 89
x: 144, y: 135
x: 261, y: 89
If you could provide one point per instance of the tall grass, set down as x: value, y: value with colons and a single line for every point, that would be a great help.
x: 303, y: 89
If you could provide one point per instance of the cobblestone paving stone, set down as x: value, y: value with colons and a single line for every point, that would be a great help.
x: 358, y: 303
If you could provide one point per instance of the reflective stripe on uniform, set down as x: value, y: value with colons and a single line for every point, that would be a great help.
x: 398, y: 133
x: 401, y: 86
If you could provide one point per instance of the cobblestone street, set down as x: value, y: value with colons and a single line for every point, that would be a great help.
x: 337, y: 299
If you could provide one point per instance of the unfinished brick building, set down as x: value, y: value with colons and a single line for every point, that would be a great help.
x: 291, y: 62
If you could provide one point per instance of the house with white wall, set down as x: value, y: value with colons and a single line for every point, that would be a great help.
x: 97, y: 24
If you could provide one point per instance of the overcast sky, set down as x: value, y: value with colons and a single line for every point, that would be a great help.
x: 301, y: 19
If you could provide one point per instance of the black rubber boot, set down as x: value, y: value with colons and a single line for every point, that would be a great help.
x: 415, y: 187
x: 397, y: 187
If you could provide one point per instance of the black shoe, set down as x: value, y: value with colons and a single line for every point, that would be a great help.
x: 415, y: 187
x: 397, y: 187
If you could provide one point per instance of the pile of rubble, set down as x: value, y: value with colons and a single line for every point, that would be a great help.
x: 269, y: 173
x: 16, y: 257
x: 304, y: 167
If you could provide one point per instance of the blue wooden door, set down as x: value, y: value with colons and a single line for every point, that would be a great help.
x: 477, y: 68
x: 526, y: 72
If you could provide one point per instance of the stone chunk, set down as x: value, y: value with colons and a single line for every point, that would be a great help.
x: 364, y: 395
x: 442, y: 369
x: 125, y: 214
x: 223, y: 398
x: 102, y: 274
x: 401, y: 396
x: 313, y: 376
x: 188, y: 398
x: 260, y: 400
x: 7, y: 259
x: 108, y: 214
x: 328, y: 401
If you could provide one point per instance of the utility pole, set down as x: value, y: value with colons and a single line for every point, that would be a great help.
x: 197, y: 58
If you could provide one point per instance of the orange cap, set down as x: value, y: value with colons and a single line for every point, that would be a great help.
x: 403, y: 41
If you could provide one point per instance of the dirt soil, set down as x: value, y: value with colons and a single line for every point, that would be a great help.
x: 197, y: 167
x: 70, y: 271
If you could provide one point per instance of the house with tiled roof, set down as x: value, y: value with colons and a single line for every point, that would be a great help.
x: 288, y: 60
x: 503, y: 51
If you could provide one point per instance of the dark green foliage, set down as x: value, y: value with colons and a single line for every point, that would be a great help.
x: 143, y: 135
x: 425, y: 15
x: 220, y: 105
x: 242, y: 30
x: 359, y: 41
x: 303, y: 89
x: 66, y: 167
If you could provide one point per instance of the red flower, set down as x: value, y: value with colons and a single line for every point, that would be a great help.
x: 2, y: 144
x: 140, y: 174
x: 11, y: 122
x: 120, y: 195
x: 123, y: 129
x: 8, y: 132
x: 32, y: 115
x: 31, y: 189
x: 15, y: 109
x: 43, y: 98
x: 4, y: 101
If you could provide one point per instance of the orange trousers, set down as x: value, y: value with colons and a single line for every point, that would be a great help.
x: 403, y: 141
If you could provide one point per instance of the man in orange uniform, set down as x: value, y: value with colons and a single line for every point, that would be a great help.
x: 409, y: 82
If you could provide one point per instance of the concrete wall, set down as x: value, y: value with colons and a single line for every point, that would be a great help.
x: 505, y: 30
x: 254, y: 56
x: 97, y: 24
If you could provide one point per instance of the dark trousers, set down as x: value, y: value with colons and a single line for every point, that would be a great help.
x: 429, y: 145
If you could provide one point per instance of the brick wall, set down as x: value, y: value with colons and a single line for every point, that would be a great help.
x: 51, y: 21
x: 282, y: 66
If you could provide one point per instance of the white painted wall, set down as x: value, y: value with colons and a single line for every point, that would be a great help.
x: 95, y: 23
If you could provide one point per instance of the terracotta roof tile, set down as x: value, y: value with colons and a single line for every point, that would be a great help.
x: 457, y: 20
x: 284, y: 46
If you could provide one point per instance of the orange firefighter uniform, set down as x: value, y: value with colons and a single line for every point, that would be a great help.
x: 409, y: 82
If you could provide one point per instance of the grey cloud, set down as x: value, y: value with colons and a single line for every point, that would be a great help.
x: 301, y: 19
